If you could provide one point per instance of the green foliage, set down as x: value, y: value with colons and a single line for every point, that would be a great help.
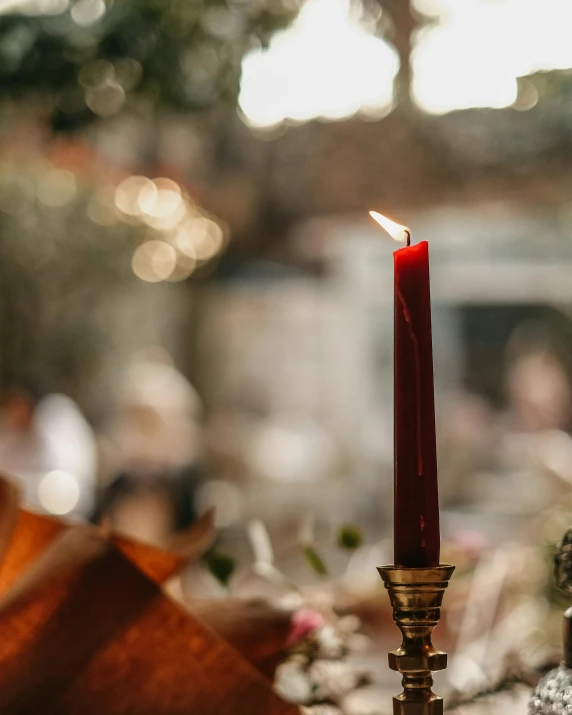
x: 315, y: 561
x: 350, y: 537
x: 221, y: 566
x: 178, y: 54
x: 61, y: 278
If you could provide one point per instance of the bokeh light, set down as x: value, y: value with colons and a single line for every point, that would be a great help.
x: 154, y: 261
x: 527, y: 95
x: 305, y: 73
x: 35, y: 7
x: 186, y: 264
x: 470, y: 55
x: 161, y: 201
x: 184, y: 268
x: 200, y: 237
x: 478, y: 49
x: 86, y: 12
x: 96, y: 74
x: 106, y: 100
x: 185, y: 236
x: 59, y: 492
x: 224, y: 498
x: 128, y: 72
x: 129, y: 191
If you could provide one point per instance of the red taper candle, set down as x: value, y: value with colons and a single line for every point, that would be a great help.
x: 416, y: 510
x: 416, y: 506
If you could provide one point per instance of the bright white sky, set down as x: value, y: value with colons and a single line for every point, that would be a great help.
x: 328, y: 65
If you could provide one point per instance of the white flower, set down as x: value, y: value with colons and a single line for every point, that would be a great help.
x: 293, y: 684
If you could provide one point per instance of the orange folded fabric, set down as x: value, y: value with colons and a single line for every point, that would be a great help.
x: 86, y: 629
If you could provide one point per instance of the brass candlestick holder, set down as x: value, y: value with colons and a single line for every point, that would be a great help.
x: 416, y: 595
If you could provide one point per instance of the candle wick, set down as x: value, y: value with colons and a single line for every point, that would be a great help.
x: 408, y: 237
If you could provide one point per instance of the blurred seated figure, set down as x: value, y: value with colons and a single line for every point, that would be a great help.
x: 539, y: 392
x: 533, y: 450
x: 49, y: 447
x: 156, y: 435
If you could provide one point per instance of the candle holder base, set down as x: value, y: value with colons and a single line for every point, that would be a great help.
x: 429, y: 704
x: 416, y: 595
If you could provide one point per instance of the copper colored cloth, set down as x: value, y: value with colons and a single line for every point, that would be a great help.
x: 86, y: 630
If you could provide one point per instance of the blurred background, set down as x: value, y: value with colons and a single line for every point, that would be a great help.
x: 196, y: 310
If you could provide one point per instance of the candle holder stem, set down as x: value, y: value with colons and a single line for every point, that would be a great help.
x: 416, y: 595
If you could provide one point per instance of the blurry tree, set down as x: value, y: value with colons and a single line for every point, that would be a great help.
x: 73, y: 62
x: 402, y: 22
x: 60, y: 277
x: 78, y: 254
x: 86, y: 58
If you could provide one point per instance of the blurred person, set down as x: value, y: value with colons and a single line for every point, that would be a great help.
x: 47, y: 445
x: 539, y: 392
x: 156, y: 433
x: 533, y: 450
x: 538, y: 387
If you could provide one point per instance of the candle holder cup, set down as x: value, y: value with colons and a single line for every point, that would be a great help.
x: 416, y: 595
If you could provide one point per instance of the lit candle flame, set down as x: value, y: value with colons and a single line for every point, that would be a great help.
x: 395, y: 230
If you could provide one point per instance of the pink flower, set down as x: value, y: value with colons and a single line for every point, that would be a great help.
x: 304, y: 622
x: 473, y: 543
